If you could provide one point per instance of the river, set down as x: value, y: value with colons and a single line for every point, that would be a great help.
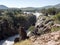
x: 8, y: 41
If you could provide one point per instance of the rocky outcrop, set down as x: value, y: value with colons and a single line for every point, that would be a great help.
x: 44, y: 24
x: 6, y: 29
x: 22, y: 33
x: 47, y: 39
x: 16, y: 40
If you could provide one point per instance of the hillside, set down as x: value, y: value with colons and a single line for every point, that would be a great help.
x: 51, y: 6
x: 3, y: 7
x: 28, y: 8
x: 39, y: 8
x: 48, y: 39
x: 48, y: 32
x: 57, y: 6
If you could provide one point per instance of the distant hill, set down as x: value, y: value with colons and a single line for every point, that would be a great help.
x: 28, y: 9
x: 57, y: 6
x: 46, y: 7
x: 31, y: 8
x: 3, y: 7
x: 51, y: 6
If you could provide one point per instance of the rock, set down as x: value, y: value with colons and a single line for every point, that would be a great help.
x: 33, y: 38
x: 48, y: 39
x: 41, y: 25
x: 29, y: 34
x: 16, y: 40
x: 48, y: 21
x: 22, y: 33
x: 51, y: 43
x: 56, y: 37
x: 47, y: 29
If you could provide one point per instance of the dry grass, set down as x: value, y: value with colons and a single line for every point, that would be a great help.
x: 25, y: 42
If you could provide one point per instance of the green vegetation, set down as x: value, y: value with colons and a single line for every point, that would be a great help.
x: 50, y: 11
x: 55, y: 29
x: 48, y: 23
x: 31, y: 28
x: 57, y: 16
x: 11, y: 20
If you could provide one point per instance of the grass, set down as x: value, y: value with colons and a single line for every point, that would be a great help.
x: 31, y: 28
x: 25, y: 42
x: 55, y: 29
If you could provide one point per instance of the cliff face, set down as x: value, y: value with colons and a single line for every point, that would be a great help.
x: 47, y: 39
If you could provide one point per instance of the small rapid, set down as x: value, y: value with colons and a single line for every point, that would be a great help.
x: 8, y: 41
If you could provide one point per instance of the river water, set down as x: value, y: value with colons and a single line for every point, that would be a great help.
x: 8, y: 41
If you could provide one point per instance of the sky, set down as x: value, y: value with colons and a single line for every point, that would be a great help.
x: 28, y: 3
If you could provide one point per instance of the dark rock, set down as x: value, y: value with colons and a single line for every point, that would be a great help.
x: 44, y: 19
x: 35, y: 31
x: 23, y: 34
x: 16, y: 40
x: 49, y: 21
x: 41, y: 25
x: 47, y: 29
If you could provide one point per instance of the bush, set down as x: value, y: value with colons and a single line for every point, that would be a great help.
x: 31, y: 28
x: 32, y: 19
x: 11, y: 20
x: 55, y: 29
x: 58, y: 16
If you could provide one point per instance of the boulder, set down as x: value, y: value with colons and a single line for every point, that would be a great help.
x: 22, y: 33
x: 16, y: 40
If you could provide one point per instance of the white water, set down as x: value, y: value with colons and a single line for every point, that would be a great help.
x: 9, y: 41
x: 37, y: 14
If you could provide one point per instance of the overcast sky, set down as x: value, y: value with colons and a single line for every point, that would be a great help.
x: 28, y: 3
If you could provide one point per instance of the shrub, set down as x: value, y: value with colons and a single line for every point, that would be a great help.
x: 55, y: 29
x: 31, y: 28
x: 57, y: 16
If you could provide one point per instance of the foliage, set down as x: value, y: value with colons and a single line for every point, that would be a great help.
x: 31, y: 28
x: 57, y: 16
x: 32, y: 18
x: 55, y: 29
x: 11, y: 20
x: 50, y: 11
